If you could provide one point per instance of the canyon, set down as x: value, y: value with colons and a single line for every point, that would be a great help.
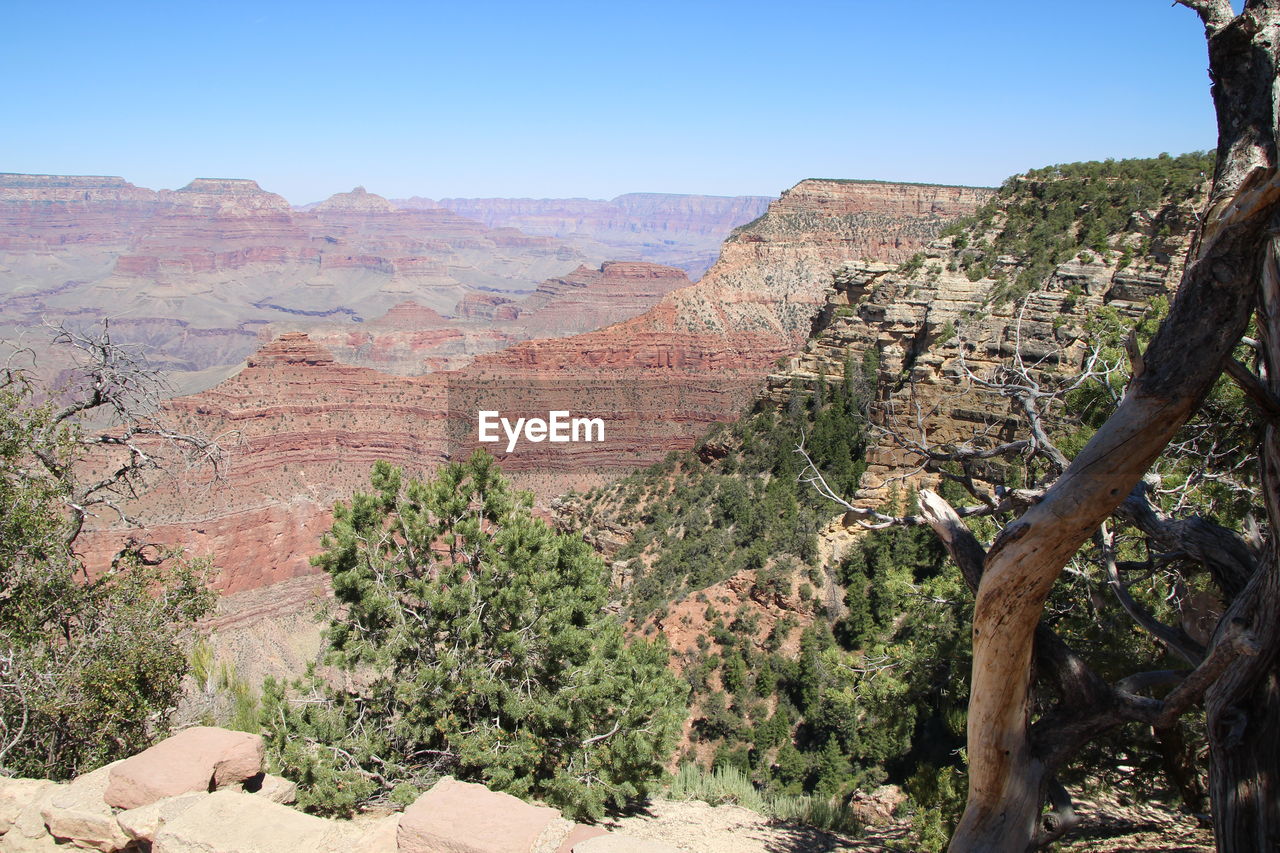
x: 302, y: 428
x: 204, y: 275
x: 677, y: 230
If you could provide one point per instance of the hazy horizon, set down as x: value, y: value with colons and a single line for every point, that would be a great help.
x: 577, y: 100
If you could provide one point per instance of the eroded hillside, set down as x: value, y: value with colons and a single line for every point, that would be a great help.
x: 787, y: 621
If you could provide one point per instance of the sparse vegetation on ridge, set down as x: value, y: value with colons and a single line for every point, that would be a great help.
x: 876, y: 690
x: 1048, y: 216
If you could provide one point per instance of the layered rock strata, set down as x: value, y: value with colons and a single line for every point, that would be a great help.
x: 699, y: 356
x: 933, y: 331
x: 304, y: 429
x: 197, y: 272
x: 679, y: 230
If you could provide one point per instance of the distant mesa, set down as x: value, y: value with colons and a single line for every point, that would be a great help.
x: 410, y: 316
x: 224, y: 186
x: 291, y: 348
x: 358, y: 200
x: 79, y: 189
x: 17, y: 180
x: 227, y: 195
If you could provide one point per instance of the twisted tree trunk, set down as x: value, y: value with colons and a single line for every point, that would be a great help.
x: 1008, y: 777
x: 1242, y: 708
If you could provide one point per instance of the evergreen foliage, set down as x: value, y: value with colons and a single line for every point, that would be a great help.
x: 474, y: 642
x: 877, y: 690
x: 868, y: 695
x: 748, y: 510
x: 1051, y: 215
x: 90, y: 668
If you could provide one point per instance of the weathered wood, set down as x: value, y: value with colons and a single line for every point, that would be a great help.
x: 955, y: 535
x: 1242, y: 707
x: 1007, y: 780
x: 1223, y: 552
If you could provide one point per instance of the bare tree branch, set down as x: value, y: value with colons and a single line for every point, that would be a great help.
x: 1173, y: 639
x: 1216, y: 14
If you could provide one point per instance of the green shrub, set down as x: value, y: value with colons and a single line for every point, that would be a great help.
x: 476, y: 644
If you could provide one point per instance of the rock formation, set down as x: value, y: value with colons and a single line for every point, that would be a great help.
x: 304, y: 429
x: 301, y: 430
x: 931, y: 327
x: 699, y: 356
x: 684, y: 231
x: 587, y: 299
x: 412, y: 339
x: 204, y: 791
x: 198, y: 274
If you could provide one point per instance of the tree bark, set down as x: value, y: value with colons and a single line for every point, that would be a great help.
x: 1243, y: 707
x: 1007, y: 780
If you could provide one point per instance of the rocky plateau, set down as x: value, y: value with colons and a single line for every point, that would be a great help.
x: 303, y: 428
x: 677, y: 230
x: 204, y: 275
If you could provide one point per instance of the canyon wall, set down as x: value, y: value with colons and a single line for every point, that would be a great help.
x: 303, y: 428
x: 700, y: 355
x: 412, y: 339
x: 678, y: 230
x: 933, y: 330
x: 205, y: 274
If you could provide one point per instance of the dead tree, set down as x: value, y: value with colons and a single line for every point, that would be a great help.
x: 1232, y: 270
x: 1008, y: 771
x: 104, y: 437
x: 90, y: 662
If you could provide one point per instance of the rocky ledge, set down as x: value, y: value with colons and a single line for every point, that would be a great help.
x: 204, y: 791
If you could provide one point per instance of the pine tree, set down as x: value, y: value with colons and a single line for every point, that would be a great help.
x: 475, y: 643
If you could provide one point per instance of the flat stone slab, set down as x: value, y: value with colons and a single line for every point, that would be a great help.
x: 362, y: 836
x: 461, y: 817
x: 16, y: 795
x: 236, y: 822
x: 144, y: 822
x: 197, y: 759
x: 277, y: 789
x: 614, y: 843
x: 78, y: 813
x: 580, y: 833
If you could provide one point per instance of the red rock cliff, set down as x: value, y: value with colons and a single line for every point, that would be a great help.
x: 309, y: 427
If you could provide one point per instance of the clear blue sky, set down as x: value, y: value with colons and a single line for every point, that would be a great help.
x: 595, y: 98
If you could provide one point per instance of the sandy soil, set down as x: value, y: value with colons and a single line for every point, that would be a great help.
x: 696, y: 827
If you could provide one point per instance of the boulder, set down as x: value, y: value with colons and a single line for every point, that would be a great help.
x: 879, y: 806
x: 236, y: 822
x: 28, y: 834
x: 16, y: 795
x: 144, y: 822
x: 78, y: 813
x: 362, y: 836
x: 461, y: 817
x: 275, y: 788
x: 197, y: 759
